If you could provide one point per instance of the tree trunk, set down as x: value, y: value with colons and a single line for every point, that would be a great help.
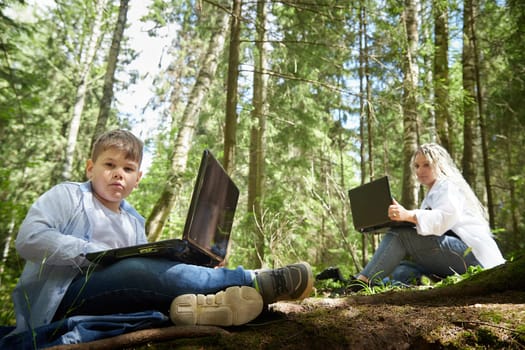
x: 469, y: 98
x: 257, y: 146
x: 186, y: 129
x: 86, y: 62
x: 441, y: 77
x: 362, y: 117
x: 410, y: 114
x: 366, y: 120
x: 482, y: 129
x: 109, y: 79
x: 231, y: 93
x: 512, y: 179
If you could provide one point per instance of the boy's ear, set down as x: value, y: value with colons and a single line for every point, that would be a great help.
x: 138, y: 179
x: 89, y: 168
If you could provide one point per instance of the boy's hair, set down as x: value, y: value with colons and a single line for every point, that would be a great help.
x: 122, y: 140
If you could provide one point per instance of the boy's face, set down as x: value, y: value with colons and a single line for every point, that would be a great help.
x: 113, y: 177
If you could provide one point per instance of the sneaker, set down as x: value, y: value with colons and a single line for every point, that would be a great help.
x: 291, y: 282
x: 232, y: 307
x: 331, y: 273
x: 355, y: 285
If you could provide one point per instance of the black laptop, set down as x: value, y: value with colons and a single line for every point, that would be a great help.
x: 369, y: 205
x: 208, y: 224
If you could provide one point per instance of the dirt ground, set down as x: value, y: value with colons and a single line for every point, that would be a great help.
x: 494, y: 322
x: 392, y: 320
x: 484, y: 311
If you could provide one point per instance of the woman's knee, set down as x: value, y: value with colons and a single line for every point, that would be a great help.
x: 407, y: 273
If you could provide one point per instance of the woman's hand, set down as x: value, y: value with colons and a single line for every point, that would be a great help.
x: 396, y: 212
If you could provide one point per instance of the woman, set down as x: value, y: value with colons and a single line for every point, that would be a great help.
x: 451, y: 230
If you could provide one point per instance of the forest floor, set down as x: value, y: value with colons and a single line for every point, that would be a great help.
x: 391, y: 320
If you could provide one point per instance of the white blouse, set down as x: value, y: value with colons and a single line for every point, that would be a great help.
x: 444, y: 208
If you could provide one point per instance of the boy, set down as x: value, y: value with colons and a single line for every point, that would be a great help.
x: 73, y: 219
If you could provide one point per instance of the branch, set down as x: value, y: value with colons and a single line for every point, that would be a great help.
x: 146, y: 336
x: 315, y: 82
x: 462, y: 323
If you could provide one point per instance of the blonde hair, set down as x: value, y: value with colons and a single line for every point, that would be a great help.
x: 444, y: 167
x: 122, y: 140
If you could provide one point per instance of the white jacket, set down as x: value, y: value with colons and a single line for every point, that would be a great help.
x: 53, y: 239
x: 444, y: 208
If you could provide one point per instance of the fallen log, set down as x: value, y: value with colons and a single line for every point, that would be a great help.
x: 145, y: 336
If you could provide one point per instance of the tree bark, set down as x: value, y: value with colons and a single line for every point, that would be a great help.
x: 109, y: 78
x: 232, y: 88
x: 186, y: 130
x: 410, y: 114
x: 469, y: 98
x: 444, y: 124
x: 257, y: 146
x: 86, y: 62
x: 482, y: 128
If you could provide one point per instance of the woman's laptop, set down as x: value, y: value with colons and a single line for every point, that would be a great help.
x: 208, y: 224
x: 369, y: 205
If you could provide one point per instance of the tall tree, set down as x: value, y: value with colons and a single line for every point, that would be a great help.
x: 366, y: 117
x: 258, y: 126
x: 469, y: 96
x: 186, y: 128
x: 85, y: 65
x: 410, y: 113
x: 109, y: 78
x: 444, y: 122
x: 479, y: 88
x: 232, y: 88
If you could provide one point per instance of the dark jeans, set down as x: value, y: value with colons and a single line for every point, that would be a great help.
x: 439, y: 256
x: 138, y: 284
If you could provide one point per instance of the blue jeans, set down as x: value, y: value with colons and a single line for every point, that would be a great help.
x: 139, y: 284
x: 432, y: 256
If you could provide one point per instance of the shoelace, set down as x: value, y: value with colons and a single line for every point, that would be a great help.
x: 279, y: 285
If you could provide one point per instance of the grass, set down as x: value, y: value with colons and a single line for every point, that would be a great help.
x: 338, y: 288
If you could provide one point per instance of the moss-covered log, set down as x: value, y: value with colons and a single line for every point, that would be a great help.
x: 507, y: 277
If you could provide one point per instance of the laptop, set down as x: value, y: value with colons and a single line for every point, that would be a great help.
x: 369, y: 205
x: 208, y: 224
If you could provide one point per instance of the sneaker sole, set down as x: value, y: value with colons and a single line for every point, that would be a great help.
x: 309, y: 283
x: 231, y: 307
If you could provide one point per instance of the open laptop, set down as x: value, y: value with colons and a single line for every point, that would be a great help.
x: 208, y: 224
x: 369, y: 205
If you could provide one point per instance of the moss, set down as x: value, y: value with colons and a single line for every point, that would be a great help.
x: 491, y: 316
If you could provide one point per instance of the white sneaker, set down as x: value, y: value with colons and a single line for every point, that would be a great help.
x: 231, y: 307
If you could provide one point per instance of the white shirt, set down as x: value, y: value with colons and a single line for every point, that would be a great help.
x: 444, y: 208
x: 114, y: 230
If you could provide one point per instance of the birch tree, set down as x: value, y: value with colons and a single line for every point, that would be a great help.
x: 86, y: 62
x: 186, y: 126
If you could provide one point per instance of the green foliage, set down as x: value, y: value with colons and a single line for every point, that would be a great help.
x: 453, y: 279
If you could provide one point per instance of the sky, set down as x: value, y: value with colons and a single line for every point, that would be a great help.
x: 133, y: 101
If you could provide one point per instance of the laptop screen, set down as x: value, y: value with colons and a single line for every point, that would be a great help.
x: 369, y: 204
x: 212, y: 208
